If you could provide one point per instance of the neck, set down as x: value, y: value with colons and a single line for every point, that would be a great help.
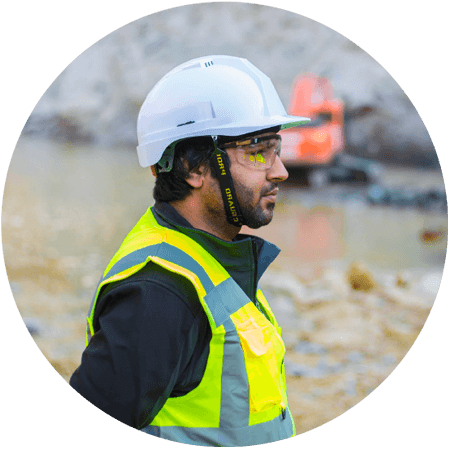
x: 206, y: 219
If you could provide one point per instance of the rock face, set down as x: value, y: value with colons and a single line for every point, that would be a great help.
x: 98, y: 96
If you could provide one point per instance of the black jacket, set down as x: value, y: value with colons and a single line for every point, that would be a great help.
x: 152, y: 338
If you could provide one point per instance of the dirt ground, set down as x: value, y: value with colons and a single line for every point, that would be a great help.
x: 346, y: 326
x: 360, y: 335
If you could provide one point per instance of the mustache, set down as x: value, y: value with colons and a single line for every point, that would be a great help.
x: 268, y: 189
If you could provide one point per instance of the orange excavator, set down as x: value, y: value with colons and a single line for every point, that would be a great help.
x: 318, y: 141
x: 317, y: 147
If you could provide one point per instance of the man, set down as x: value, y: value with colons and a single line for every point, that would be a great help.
x: 181, y: 342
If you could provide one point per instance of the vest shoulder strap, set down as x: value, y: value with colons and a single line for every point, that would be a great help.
x: 149, y: 241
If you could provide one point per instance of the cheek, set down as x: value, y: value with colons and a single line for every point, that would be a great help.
x: 248, y: 185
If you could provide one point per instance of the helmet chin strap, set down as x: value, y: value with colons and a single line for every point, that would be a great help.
x: 221, y: 163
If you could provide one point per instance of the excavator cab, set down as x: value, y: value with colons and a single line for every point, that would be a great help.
x: 318, y: 141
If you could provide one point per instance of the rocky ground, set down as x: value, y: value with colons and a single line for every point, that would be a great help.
x: 345, y: 328
x: 346, y: 325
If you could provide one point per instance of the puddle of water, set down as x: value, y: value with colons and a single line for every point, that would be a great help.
x: 67, y: 210
x: 336, y: 223
x: 87, y: 199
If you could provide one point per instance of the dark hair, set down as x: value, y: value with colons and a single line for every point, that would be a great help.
x: 189, y: 154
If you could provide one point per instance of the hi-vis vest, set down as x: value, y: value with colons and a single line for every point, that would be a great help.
x: 241, y: 399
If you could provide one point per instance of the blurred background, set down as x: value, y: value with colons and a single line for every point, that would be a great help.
x: 361, y: 222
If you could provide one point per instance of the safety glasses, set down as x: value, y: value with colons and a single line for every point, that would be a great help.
x: 259, y: 153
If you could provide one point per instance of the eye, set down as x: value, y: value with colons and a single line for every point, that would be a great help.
x: 260, y: 157
x: 251, y: 155
x: 255, y: 155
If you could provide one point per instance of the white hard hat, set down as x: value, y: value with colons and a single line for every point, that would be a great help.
x: 208, y: 96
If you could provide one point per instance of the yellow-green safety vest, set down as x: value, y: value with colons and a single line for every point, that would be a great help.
x: 241, y: 399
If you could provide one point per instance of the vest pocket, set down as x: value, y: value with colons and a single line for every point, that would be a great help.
x: 263, y: 354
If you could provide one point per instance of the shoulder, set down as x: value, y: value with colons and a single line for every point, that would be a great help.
x: 152, y: 285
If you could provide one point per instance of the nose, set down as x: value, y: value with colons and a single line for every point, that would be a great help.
x: 277, y: 171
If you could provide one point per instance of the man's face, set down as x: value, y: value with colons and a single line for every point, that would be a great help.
x: 256, y: 189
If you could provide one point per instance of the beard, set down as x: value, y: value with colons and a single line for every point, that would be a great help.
x: 254, y: 216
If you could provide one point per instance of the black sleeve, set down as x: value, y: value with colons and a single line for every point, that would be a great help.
x: 147, y: 335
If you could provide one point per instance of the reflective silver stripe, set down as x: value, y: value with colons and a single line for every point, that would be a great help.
x: 162, y: 250
x: 225, y: 299
x: 231, y: 295
x: 233, y: 431
x: 88, y: 331
x: 234, y: 400
x: 222, y: 300
x: 228, y: 296
x: 275, y: 430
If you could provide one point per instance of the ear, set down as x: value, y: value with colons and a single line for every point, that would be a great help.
x: 197, y: 175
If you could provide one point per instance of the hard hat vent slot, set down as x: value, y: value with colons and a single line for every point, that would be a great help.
x: 187, y: 123
x: 192, y: 66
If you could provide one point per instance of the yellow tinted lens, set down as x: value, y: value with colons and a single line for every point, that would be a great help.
x: 260, y: 158
x: 260, y: 155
